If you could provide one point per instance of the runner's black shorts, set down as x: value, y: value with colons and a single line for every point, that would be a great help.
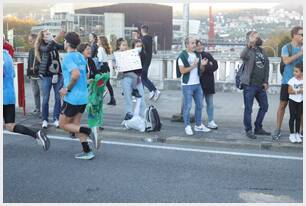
x: 284, y: 95
x: 70, y: 110
x: 9, y: 113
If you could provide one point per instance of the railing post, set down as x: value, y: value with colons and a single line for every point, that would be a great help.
x: 169, y: 69
x: 21, y: 91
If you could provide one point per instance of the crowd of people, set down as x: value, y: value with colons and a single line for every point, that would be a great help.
x: 195, y: 68
x: 88, y: 62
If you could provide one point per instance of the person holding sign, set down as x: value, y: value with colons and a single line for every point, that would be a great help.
x: 123, y: 46
x: 128, y: 64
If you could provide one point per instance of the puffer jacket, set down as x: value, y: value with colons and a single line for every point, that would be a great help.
x: 49, y: 55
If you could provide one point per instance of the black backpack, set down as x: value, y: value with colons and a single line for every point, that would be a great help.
x: 238, y: 76
x: 282, y: 64
x: 152, y: 119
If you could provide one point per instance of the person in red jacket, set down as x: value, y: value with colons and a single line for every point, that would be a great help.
x: 7, y: 46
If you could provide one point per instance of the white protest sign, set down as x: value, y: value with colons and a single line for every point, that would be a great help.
x: 128, y: 60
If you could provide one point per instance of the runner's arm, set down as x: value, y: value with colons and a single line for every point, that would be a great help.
x: 75, y: 75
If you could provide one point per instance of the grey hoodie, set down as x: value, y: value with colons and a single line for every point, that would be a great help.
x: 248, y: 57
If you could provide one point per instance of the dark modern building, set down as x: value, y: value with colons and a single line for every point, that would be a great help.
x: 157, y: 17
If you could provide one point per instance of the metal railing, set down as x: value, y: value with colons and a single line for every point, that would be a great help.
x: 164, y: 68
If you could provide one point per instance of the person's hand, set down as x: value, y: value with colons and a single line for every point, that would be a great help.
x: 63, y: 91
x: 204, y: 62
x: 195, y: 63
x: 266, y: 86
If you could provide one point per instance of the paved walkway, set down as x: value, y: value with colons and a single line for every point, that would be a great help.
x: 228, y: 115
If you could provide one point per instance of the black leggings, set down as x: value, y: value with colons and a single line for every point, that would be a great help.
x: 110, y: 88
x: 296, y: 111
x: 104, y: 69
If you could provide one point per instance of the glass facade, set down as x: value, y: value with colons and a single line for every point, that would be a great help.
x: 85, y: 24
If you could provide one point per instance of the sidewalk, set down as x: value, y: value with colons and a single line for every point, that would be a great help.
x: 228, y: 116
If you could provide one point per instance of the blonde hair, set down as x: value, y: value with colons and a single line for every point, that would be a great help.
x: 105, y: 44
x: 39, y: 41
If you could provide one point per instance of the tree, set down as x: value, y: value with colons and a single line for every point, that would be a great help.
x: 276, y: 40
x: 22, y: 28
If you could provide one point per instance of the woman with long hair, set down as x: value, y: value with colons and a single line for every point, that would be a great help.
x: 127, y: 82
x: 93, y: 40
x: 104, y: 51
x: 49, y: 67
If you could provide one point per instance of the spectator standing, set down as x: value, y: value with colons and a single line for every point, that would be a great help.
x: 147, y: 44
x: 93, y: 39
x: 292, y: 54
x: 295, y: 90
x: 189, y: 67
x: 33, y: 74
x: 48, y: 60
x: 207, y: 81
x: 255, y: 79
x: 104, y: 51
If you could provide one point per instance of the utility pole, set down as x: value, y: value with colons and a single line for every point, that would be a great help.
x: 185, y: 22
x: 179, y: 117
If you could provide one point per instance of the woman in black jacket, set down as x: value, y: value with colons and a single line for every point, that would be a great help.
x: 207, y: 81
x: 32, y: 74
x: 47, y: 59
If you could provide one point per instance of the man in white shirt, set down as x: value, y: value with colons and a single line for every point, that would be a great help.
x: 189, y: 66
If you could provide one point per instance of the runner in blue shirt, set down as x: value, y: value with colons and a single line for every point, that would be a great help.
x: 292, y: 54
x: 75, y: 95
x: 9, y: 101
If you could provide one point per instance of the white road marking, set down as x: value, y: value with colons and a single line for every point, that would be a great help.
x: 184, y: 149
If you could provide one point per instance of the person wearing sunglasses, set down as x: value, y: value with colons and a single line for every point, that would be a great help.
x: 292, y: 54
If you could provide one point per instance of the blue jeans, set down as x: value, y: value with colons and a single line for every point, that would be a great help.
x: 46, y: 83
x: 209, y: 106
x: 195, y: 92
x: 127, y: 87
x: 249, y: 93
x: 145, y: 80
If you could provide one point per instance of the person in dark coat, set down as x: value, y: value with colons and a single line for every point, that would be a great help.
x: 207, y: 81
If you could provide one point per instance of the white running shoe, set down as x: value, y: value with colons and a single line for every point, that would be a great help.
x: 56, y: 123
x: 292, y: 138
x: 151, y: 95
x: 298, y: 138
x: 188, y: 130
x: 212, y: 125
x: 134, y: 99
x: 44, y: 124
x: 201, y: 128
x: 156, y: 95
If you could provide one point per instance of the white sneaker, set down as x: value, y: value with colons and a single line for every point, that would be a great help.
x: 44, y: 124
x: 56, y: 123
x: 156, y: 95
x: 212, y: 125
x: 188, y: 130
x: 292, y: 138
x: 298, y: 138
x: 201, y: 128
x: 134, y: 99
x: 151, y: 95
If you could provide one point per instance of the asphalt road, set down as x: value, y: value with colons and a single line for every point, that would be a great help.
x: 130, y: 173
